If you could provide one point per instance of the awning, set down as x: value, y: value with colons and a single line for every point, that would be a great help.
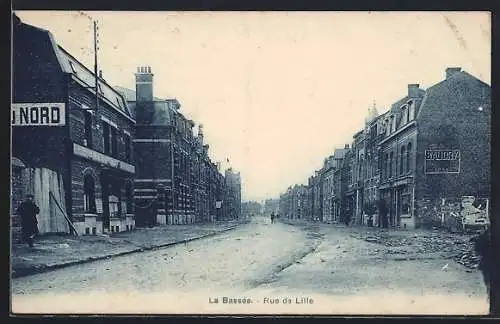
x: 17, y: 163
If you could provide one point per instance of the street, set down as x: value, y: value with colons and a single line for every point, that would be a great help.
x: 271, y: 268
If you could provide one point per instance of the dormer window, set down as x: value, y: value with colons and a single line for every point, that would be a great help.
x: 404, y: 115
x: 411, y: 110
x: 72, y: 67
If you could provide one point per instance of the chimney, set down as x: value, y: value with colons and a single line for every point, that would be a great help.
x: 452, y: 71
x: 413, y: 90
x: 100, y: 74
x: 346, y: 146
x: 144, y: 84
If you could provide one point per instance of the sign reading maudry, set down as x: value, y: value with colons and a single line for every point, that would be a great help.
x: 442, y: 161
x: 38, y: 114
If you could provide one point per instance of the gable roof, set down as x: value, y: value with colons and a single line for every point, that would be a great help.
x: 436, y: 90
x: 79, y: 71
x: 129, y: 94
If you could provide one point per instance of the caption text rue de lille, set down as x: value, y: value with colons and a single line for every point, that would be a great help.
x: 266, y: 300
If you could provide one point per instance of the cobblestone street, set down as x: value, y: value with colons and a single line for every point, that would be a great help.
x: 335, y: 266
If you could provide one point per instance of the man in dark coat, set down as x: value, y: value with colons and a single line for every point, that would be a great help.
x: 382, y: 212
x: 29, y: 223
x: 483, y: 248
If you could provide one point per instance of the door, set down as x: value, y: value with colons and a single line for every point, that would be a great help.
x: 105, y: 203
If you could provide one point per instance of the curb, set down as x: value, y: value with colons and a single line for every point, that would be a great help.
x: 46, y: 268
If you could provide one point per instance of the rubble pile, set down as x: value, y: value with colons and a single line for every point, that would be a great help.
x: 455, y: 246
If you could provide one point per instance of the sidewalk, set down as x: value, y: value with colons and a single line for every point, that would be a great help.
x: 409, y: 243
x: 58, y: 251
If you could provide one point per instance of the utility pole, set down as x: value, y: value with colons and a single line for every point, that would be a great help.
x: 96, y: 48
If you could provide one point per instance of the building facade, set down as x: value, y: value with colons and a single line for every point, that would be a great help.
x: 72, y: 133
x: 176, y: 182
x: 232, y: 198
x: 424, y: 156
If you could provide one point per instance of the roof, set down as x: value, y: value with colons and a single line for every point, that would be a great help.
x: 69, y: 64
x: 433, y: 94
x: 130, y: 94
x: 164, y: 108
x: 78, y: 70
x: 340, y: 153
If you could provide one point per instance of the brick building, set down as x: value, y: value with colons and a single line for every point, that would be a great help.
x: 397, y: 147
x: 453, y: 151
x: 355, y: 188
x: 426, y: 156
x: 271, y: 206
x: 232, y: 197
x: 72, y: 144
x: 338, y: 185
x: 327, y: 172
x: 295, y: 203
x: 176, y: 182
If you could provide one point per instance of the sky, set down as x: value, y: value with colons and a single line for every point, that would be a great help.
x: 276, y: 92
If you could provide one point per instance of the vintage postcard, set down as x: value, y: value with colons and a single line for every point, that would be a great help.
x: 250, y: 162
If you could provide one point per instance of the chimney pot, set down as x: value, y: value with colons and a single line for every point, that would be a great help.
x: 149, y: 69
x: 451, y: 71
x: 413, y: 90
x: 100, y: 74
x: 346, y: 146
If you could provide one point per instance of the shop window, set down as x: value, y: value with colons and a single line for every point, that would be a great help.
x: 113, y: 206
x: 405, y: 204
x: 89, y: 194
x: 88, y: 128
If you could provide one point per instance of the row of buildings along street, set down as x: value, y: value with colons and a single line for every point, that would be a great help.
x: 425, y: 162
x: 101, y: 158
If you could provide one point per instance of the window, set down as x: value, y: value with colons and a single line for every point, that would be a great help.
x: 128, y: 148
x: 408, y: 158
x: 106, y: 137
x: 404, y: 116
x: 114, y: 141
x: 113, y: 206
x: 89, y: 194
x: 391, y: 158
x: 129, y: 200
x: 402, y: 163
x: 88, y: 128
x: 72, y: 67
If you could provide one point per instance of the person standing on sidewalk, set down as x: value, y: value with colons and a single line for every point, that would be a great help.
x: 483, y: 248
x: 382, y: 213
x: 272, y: 218
x: 29, y: 223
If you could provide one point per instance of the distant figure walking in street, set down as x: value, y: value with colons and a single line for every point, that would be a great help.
x: 382, y: 214
x: 272, y: 218
x: 29, y: 223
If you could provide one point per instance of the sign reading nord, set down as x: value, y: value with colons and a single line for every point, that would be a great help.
x: 442, y: 161
x: 38, y: 114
